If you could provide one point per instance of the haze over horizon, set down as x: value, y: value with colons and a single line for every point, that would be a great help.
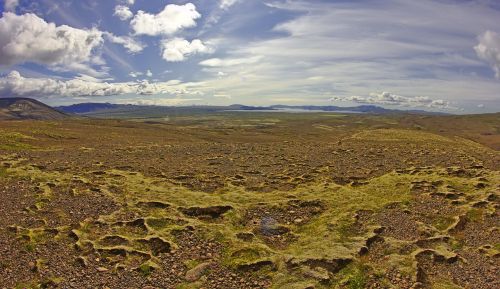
x: 441, y: 55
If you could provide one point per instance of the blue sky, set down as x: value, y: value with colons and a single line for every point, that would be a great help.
x: 428, y: 54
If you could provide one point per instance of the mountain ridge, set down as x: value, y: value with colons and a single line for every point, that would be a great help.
x: 101, y: 108
x: 17, y: 108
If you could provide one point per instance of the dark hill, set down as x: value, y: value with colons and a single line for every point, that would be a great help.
x: 82, y: 108
x: 16, y: 108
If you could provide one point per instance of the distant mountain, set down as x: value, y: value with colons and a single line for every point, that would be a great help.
x: 109, y: 110
x: 82, y: 108
x: 15, y: 108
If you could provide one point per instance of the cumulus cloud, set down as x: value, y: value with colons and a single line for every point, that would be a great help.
x: 149, y: 73
x: 132, y: 45
x: 15, y: 85
x: 178, y: 49
x: 218, y: 62
x: 387, y: 98
x: 225, y: 4
x: 488, y: 50
x: 10, y: 5
x: 123, y: 12
x: 172, y: 19
x: 135, y: 74
x: 28, y: 38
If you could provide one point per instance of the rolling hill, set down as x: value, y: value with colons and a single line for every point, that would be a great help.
x: 26, y: 108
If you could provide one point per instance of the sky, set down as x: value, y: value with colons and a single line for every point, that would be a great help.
x: 441, y: 55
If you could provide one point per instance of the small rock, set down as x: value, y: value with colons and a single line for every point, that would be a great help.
x: 298, y: 221
x: 196, y: 273
x: 32, y: 266
x: 102, y: 269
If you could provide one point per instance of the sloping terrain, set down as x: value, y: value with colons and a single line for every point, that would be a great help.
x: 254, y: 201
x: 26, y: 108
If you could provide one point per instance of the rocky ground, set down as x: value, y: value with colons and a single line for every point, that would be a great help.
x: 274, y: 202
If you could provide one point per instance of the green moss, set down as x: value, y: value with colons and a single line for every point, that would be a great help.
x: 444, y: 284
x: 475, y: 215
x: 158, y: 223
x: 3, y: 172
x: 354, y: 276
x: 344, y: 230
x: 14, y: 141
x: 442, y: 222
x: 194, y: 285
x: 456, y: 245
x: 30, y: 247
x: 27, y: 285
x: 147, y: 268
x: 328, y: 235
x: 190, y: 264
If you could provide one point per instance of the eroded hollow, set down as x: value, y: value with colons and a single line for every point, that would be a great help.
x: 113, y: 241
x: 153, y: 205
x: 156, y: 245
x: 213, y: 212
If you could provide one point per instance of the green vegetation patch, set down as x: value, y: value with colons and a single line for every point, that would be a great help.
x: 328, y: 237
x: 14, y: 141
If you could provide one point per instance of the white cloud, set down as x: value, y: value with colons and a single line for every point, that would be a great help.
x: 149, y: 73
x: 128, y: 2
x: 132, y: 45
x: 225, y: 4
x: 28, y: 38
x: 387, y: 98
x: 123, y: 12
x: 135, y: 74
x: 178, y: 49
x: 218, y: 62
x: 159, y: 101
x: 488, y: 49
x: 172, y: 19
x: 10, y: 5
x: 15, y: 85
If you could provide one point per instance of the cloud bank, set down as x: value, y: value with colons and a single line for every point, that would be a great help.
x: 15, y: 85
x: 387, y: 98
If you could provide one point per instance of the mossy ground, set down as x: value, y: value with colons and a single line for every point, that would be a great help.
x: 368, y: 215
x: 327, y: 236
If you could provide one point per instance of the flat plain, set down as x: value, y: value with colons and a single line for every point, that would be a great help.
x: 251, y: 200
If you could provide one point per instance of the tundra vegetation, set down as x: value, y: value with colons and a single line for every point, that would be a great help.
x: 251, y: 200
